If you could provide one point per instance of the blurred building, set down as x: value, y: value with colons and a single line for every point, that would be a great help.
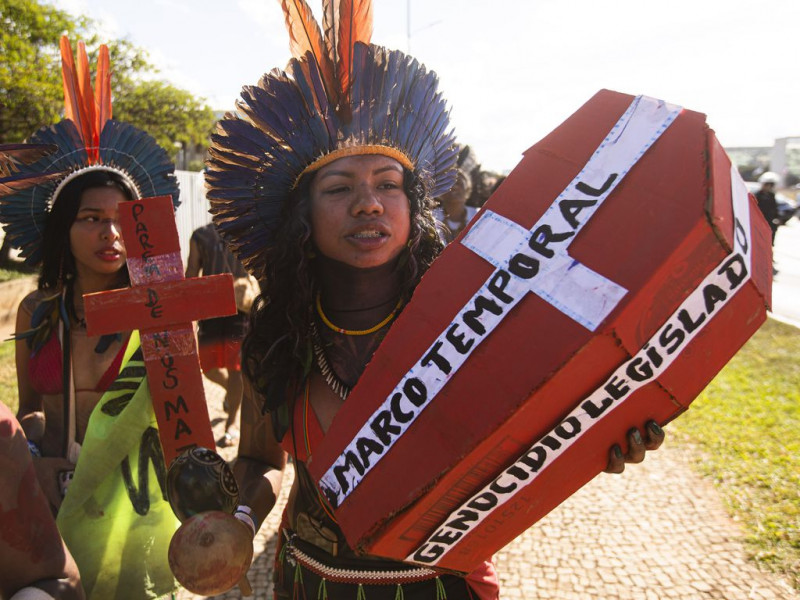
x: 783, y: 157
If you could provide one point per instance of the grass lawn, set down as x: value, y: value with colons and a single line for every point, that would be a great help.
x: 746, y: 428
x: 16, y: 272
x: 8, y: 376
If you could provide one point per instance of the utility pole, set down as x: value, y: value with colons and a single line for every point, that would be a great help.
x: 408, y: 26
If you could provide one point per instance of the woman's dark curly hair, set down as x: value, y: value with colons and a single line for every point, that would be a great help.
x: 277, y: 350
x: 58, y: 264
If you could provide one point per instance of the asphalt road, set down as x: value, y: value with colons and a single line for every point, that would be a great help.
x: 786, y: 284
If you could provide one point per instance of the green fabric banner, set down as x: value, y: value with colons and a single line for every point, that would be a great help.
x: 115, y: 518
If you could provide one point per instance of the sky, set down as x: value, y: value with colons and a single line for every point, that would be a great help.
x: 511, y: 70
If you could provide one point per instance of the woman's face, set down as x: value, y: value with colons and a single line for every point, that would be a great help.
x: 456, y: 198
x: 95, y: 238
x: 359, y: 211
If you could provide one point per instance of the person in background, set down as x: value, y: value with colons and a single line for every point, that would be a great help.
x: 453, y: 213
x: 768, y: 205
x: 220, y: 339
x: 498, y: 181
x: 767, y: 202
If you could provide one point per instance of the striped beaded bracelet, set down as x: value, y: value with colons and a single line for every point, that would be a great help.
x: 34, y: 448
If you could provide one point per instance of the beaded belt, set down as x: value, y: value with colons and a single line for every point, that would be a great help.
x: 352, y: 576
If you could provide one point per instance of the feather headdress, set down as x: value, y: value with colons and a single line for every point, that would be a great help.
x: 339, y: 96
x: 86, y: 139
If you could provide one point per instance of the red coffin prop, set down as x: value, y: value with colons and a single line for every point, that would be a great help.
x: 664, y: 280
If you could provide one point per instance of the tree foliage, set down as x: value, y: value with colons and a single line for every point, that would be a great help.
x: 171, y: 115
x: 31, y: 92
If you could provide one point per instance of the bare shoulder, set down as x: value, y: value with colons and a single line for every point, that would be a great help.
x: 34, y: 299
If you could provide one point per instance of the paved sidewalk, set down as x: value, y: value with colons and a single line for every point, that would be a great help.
x: 657, y: 531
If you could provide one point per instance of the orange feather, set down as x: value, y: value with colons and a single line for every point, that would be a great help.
x: 87, y: 104
x: 79, y: 98
x: 102, y: 88
x: 306, y: 36
x: 72, y: 100
x: 355, y: 25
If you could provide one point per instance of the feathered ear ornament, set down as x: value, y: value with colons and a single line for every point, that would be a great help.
x: 338, y: 96
x: 12, y: 156
x: 87, y: 139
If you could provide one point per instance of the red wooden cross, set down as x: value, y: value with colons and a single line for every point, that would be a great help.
x: 162, y: 304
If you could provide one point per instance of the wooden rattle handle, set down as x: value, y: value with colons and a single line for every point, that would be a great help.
x: 245, y: 587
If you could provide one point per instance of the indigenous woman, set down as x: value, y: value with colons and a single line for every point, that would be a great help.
x: 322, y: 185
x: 82, y: 252
x: 83, y: 403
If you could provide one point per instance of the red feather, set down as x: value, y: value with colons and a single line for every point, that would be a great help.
x: 72, y: 99
x: 306, y: 36
x: 355, y: 25
x: 78, y: 96
x: 102, y: 88
x: 91, y: 135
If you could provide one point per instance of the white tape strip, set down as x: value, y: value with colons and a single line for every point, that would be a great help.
x: 494, y: 238
x: 574, y: 289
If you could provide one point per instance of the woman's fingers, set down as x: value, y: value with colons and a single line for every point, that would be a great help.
x: 655, y: 436
x: 638, y: 446
x: 616, y: 461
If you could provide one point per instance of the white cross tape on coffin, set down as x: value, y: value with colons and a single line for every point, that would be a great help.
x: 574, y: 289
x: 525, y: 260
x: 655, y: 357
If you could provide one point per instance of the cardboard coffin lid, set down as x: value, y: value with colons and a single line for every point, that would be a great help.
x: 660, y: 232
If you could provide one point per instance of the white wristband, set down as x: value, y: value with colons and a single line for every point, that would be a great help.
x: 245, y: 514
x: 31, y: 593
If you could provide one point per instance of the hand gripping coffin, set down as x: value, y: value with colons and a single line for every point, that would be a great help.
x: 617, y: 269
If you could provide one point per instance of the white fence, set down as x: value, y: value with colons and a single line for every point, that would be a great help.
x: 193, y: 211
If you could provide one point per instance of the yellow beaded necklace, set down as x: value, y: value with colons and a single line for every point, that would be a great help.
x: 372, y: 329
